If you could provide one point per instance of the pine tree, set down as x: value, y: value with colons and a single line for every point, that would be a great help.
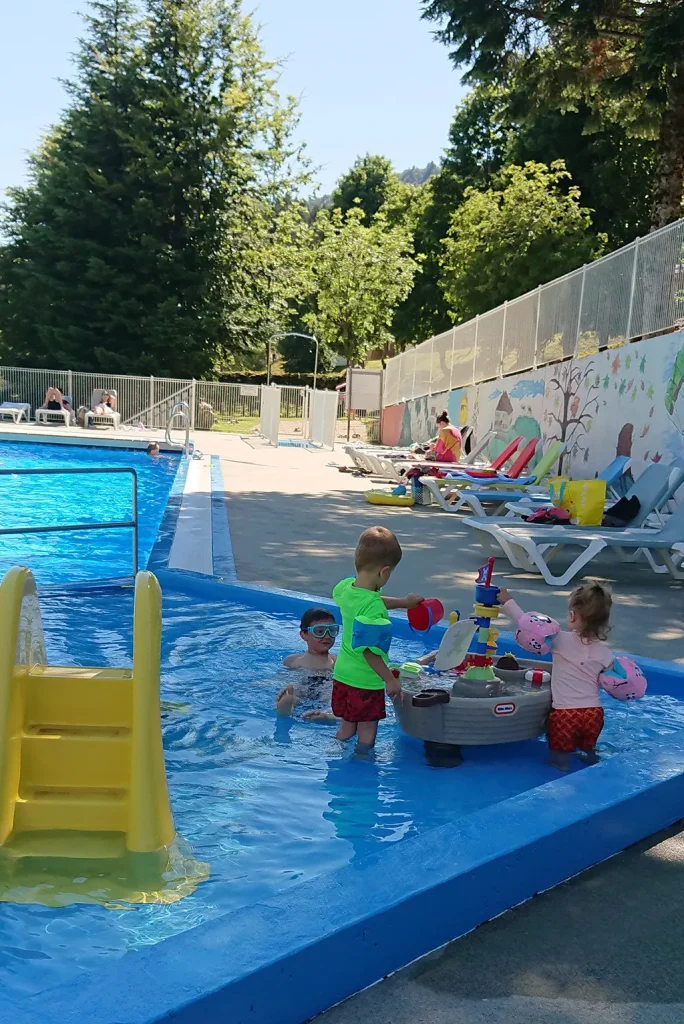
x: 66, y: 273
x: 132, y: 247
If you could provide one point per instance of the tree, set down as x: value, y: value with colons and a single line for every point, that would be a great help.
x: 361, y: 274
x: 299, y: 355
x: 132, y: 246
x: 367, y: 185
x: 505, y: 240
x: 624, y: 58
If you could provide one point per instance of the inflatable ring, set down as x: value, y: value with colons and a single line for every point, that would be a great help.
x: 387, y: 498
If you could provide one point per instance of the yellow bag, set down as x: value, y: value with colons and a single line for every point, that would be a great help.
x: 556, y: 487
x: 584, y: 500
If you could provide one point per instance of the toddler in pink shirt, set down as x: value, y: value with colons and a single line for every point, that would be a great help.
x: 579, y: 657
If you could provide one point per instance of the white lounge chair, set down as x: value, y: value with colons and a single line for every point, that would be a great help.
x: 531, y: 547
x: 16, y: 410
x: 110, y: 418
x: 53, y: 416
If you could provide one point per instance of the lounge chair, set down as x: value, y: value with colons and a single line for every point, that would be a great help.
x: 531, y: 547
x: 64, y: 415
x: 397, y: 473
x: 392, y: 466
x: 16, y: 410
x: 496, y: 494
x: 109, y: 418
x: 525, y: 503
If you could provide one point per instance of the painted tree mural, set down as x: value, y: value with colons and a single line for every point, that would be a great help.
x: 574, y: 406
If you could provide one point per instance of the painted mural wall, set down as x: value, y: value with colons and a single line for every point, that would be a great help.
x: 624, y: 401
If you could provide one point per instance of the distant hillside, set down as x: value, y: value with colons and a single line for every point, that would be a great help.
x: 412, y: 176
x: 419, y: 175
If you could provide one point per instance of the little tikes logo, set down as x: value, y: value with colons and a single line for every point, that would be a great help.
x: 505, y: 709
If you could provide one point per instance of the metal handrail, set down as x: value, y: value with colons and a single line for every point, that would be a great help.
x: 179, y: 409
x: 72, y: 527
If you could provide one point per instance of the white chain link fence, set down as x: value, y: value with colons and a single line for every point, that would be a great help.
x: 636, y: 291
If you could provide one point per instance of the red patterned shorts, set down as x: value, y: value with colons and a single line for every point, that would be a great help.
x: 352, y: 704
x: 570, y: 729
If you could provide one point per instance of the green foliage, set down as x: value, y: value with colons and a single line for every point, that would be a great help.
x: 622, y: 59
x: 299, y: 355
x: 134, y: 246
x: 367, y: 185
x: 361, y: 274
x: 526, y: 229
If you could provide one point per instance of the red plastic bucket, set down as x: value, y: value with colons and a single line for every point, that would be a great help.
x: 426, y: 614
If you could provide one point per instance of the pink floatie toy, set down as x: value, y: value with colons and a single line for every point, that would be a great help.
x: 536, y: 632
x: 624, y: 680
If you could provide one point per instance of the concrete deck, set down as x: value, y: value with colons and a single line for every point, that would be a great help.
x: 603, y: 948
x: 295, y: 521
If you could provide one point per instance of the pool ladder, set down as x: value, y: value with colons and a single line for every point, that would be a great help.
x: 180, y: 410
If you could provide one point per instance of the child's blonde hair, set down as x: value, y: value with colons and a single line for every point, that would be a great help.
x: 592, y: 602
x: 377, y: 547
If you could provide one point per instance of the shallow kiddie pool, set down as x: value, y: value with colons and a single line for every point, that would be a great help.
x: 269, y: 803
x: 327, y: 871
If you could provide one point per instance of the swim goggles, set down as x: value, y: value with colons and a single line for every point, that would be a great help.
x: 320, y: 630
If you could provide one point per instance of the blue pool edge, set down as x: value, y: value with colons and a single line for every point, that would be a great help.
x: 290, y: 957
x: 285, y: 959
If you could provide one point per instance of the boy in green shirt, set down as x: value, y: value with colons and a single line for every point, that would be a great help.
x: 361, y: 673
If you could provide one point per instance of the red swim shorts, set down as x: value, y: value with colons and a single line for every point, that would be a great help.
x: 352, y: 704
x: 570, y: 729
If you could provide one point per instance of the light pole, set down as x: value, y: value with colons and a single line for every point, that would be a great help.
x: 292, y: 334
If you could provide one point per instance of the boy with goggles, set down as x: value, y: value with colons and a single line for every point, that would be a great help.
x: 319, y: 631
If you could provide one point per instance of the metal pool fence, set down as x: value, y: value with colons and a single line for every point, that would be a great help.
x: 633, y: 292
x: 148, y: 401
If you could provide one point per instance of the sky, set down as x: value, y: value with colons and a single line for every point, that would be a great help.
x: 369, y: 75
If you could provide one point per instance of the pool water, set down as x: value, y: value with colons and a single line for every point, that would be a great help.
x: 267, y: 802
x: 86, y: 498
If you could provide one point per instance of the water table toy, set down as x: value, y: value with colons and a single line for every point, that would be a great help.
x: 479, y: 705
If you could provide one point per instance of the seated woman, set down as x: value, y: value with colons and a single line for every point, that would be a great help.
x: 107, y: 404
x: 53, y: 400
x: 447, y: 447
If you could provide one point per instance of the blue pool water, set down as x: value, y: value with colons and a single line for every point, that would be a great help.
x: 267, y: 802
x: 86, y: 498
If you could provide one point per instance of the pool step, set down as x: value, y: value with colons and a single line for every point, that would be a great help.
x: 64, y: 845
x: 56, y: 755
x: 84, y: 809
x: 80, y: 748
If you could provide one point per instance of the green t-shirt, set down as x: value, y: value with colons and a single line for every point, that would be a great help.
x: 365, y: 626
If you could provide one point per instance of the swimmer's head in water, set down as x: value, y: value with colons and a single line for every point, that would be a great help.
x: 153, y: 449
x: 311, y: 618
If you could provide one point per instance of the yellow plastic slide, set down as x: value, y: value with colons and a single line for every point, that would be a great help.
x: 82, y: 771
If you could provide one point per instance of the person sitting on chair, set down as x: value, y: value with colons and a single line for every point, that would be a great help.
x: 53, y: 400
x: 106, y: 404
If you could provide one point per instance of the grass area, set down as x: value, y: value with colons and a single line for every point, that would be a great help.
x: 236, y: 425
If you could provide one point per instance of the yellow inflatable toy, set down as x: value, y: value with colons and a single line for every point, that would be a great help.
x: 84, y: 805
x: 387, y: 498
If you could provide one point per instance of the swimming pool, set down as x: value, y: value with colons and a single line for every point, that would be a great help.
x: 87, y: 498
x: 268, y: 803
x: 327, y: 871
